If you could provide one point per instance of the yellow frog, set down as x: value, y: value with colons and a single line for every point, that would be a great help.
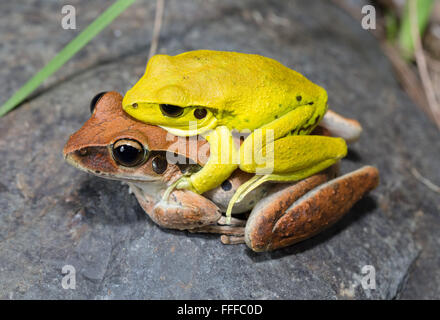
x: 213, y: 93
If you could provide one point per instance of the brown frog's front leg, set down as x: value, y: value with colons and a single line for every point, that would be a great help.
x: 184, y: 209
x: 302, y: 210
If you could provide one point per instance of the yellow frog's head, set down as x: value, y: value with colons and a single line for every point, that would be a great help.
x: 196, y: 91
x: 169, y: 93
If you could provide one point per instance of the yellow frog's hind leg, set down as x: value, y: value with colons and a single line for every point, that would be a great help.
x: 291, y: 158
x: 294, y: 155
x: 257, y: 180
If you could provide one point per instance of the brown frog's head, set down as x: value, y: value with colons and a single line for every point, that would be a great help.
x: 113, y: 145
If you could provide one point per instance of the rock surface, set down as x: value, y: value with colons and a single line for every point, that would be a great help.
x: 52, y: 215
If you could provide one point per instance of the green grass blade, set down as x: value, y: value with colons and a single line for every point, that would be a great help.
x: 66, y: 53
x: 406, y: 42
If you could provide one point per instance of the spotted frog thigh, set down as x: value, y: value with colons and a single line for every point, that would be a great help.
x: 302, y: 210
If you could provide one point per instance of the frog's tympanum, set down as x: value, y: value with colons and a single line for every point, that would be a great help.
x: 214, y: 93
x: 113, y: 145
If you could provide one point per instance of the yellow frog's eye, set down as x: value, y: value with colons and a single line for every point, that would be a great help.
x: 95, y: 100
x: 129, y: 153
x: 200, y: 113
x: 171, y: 111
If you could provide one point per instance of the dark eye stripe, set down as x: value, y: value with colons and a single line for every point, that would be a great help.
x: 170, y: 110
x: 174, y: 111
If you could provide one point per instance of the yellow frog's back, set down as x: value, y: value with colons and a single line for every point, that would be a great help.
x: 244, y: 91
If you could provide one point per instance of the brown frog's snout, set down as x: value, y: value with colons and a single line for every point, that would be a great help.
x: 97, y: 160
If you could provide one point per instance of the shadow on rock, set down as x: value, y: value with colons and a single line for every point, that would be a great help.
x: 353, y: 155
x: 104, y: 202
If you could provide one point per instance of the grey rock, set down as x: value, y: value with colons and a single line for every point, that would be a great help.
x: 52, y: 215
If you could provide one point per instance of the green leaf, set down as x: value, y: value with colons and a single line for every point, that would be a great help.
x: 66, y: 53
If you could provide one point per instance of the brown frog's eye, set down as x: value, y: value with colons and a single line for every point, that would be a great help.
x: 159, y: 164
x: 95, y: 100
x: 129, y: 153
x: 170, y: 110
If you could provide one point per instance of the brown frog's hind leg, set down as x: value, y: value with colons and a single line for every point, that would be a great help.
x: 300, y: 211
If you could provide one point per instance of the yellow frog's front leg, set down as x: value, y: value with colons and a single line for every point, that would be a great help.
x: 277, y: 153
x: 223, y: 160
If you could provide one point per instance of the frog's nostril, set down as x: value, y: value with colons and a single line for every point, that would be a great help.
x: 171, y: 111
